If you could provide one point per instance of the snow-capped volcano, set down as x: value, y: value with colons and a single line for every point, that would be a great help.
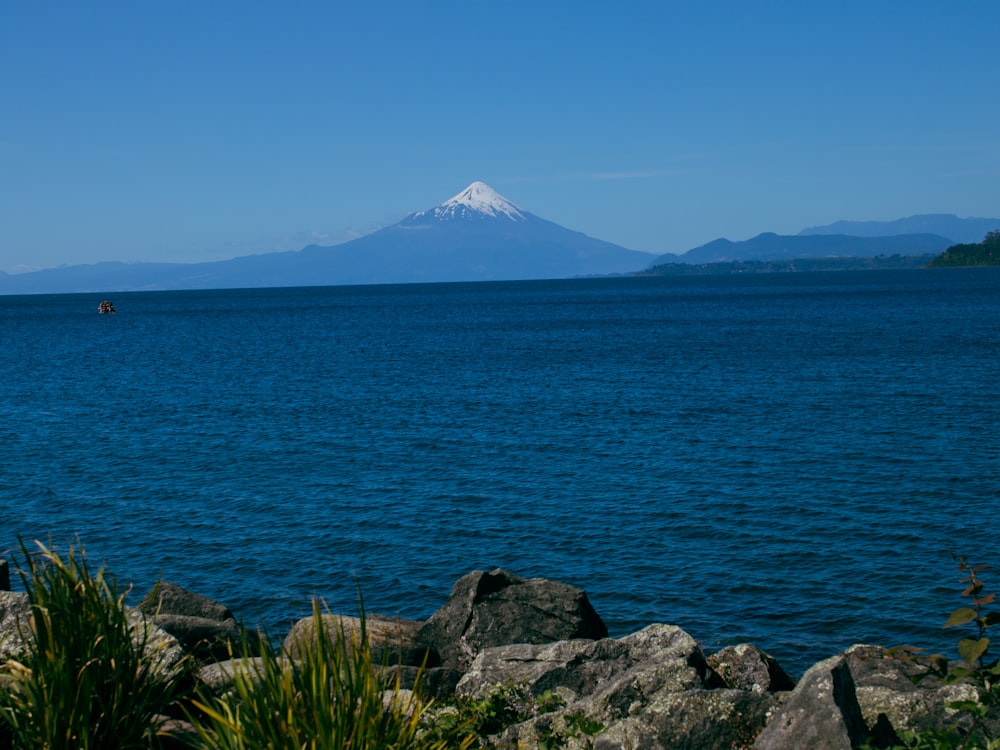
x: 477, y: 200
x: 478, y: 235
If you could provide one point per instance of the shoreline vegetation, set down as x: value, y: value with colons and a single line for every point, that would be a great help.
x: 985, y: 253
x: 967, y: 255
x: 879, y: 263
x: 505, y: 662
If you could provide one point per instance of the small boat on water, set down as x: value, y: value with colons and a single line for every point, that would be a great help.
x: 105, y: 307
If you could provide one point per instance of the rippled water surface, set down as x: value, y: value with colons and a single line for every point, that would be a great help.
x: 781, y: 459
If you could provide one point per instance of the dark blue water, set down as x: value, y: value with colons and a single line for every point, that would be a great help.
x: 781, y: 459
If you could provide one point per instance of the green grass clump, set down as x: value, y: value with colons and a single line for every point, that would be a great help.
x: 91, y: 678
x: 331, y: 696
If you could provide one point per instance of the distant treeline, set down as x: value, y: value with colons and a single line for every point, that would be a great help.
x: 985, y: 253
x: 788, y: 266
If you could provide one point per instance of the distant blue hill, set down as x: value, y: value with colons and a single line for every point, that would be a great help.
x: 769, y: 246
x: 956, y: 229
x: 475, y: 236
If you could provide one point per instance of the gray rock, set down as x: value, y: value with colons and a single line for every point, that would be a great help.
x: 15, y: 634
x: 15, y: 623
x: 872, y: 691
x: 650, y: 689
x: 689, y: 720
x: 170, y: 599
x: 747, y: 667
x: 204, y: 627
x: 220, y: 675
x: 206, y: 639
x: 904, y: 692
x: 392, y: 640
x: 497, y: 608
x: 574, y: 667
x: 435, y: 682
x: 664, y: 659
x: 659, y: 657
x: 822, y: 713
x: 158, y: 645
x: 697, y: 719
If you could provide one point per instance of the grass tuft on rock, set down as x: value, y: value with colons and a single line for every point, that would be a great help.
x: 332, y: 695
x: 92, y: 676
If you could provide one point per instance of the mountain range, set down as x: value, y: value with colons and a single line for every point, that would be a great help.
x: 769, y: 246
x: 944, y: 225
x: 478, y: 235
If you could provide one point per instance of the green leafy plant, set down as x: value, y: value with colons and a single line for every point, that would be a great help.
x: 479, y: 718
x: 973, y: 649
x: 500, y: 707
x: 974, y: 669
x: 92, y: 676
x: 332, y: 695
x: 576, y: 726
x: 548, y: 702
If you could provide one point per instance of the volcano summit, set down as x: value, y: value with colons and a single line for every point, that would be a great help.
x: 478, y: 201
x: 477, y: 235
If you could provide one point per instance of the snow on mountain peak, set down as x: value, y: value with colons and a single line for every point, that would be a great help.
x: 479, y: 198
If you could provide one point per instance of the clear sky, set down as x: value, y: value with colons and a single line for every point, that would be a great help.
x: 201, y: 130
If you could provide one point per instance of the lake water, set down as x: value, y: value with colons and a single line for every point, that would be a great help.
x: 783, y: 459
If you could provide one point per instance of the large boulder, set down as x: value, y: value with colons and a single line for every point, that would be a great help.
x: 689, y: 720
x: 161, y: 648
x: 392, y: 640
x: 900, y: 691
x: 650, y: 689
x: 571, y: 668
x: 670, y: 698
x: 664, y: 659
x: 170, y: 599
x: 747, y: 667
x: 203, y: 638
x: 498, y: 608
x: 822, y: 713
x: 658, y: 657
x: 869, y: 691
x: 204, y: 627
x: 395, y: 646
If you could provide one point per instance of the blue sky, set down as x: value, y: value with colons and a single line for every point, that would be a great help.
x: 190, y: 131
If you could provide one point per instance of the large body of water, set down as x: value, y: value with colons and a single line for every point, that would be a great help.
x: 783, y: 459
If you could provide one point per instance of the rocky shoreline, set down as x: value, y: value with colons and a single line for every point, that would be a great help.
x: 654, y: 688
